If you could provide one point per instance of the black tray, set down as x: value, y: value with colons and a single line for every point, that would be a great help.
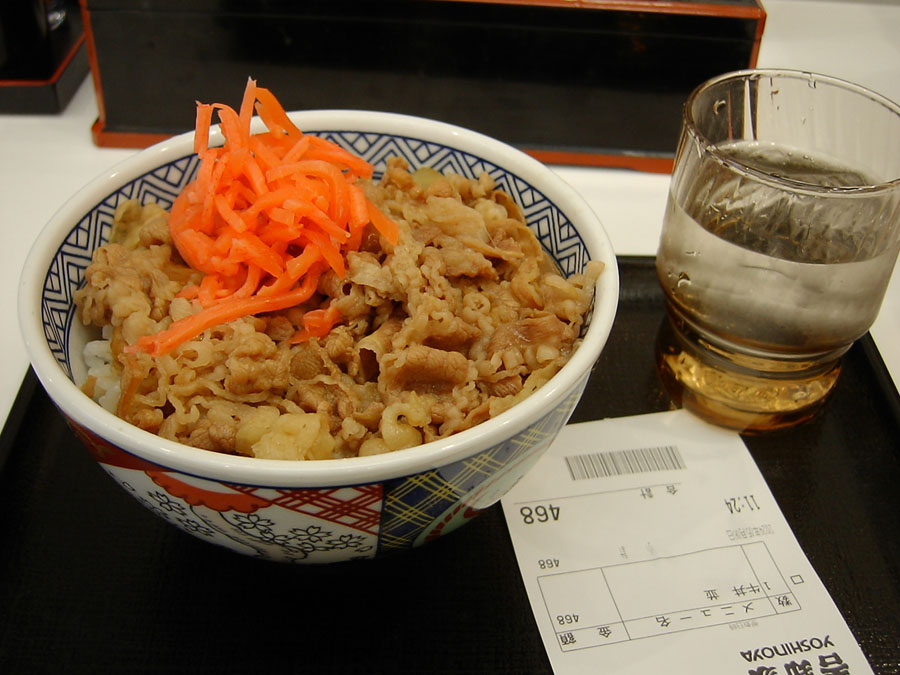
x: 90, y: 581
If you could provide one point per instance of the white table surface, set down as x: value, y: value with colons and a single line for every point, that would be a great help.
x: 44, y: 159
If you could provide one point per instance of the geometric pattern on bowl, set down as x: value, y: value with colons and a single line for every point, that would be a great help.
x: 66, y: 272
x: 421, y: 507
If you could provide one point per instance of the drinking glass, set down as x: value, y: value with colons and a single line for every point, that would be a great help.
x: 780, y: 235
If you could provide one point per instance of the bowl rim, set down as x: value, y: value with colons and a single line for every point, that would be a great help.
x: 333, y: 472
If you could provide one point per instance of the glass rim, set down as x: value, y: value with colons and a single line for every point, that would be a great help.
x: 773, y: 180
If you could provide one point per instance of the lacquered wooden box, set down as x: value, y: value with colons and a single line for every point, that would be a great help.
x: 42, y: 61
x: 570, y: 81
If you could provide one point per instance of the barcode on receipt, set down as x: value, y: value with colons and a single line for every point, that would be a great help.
x: 622, y: 462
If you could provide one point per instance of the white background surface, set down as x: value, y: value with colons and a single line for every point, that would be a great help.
x: 46, y: 159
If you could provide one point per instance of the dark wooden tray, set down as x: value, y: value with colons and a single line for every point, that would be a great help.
x: 90, y: 581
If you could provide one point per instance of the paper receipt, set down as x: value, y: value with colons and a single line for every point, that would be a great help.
x: 652, y: 544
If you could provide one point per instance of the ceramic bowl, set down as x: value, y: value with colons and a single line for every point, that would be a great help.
x: 332, y: 510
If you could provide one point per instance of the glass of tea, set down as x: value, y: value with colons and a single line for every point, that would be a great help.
x: 781, y: 232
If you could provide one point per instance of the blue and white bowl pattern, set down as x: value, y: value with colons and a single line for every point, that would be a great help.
x: 299, y: 523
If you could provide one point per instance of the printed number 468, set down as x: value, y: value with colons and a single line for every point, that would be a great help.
x: 539, y: 514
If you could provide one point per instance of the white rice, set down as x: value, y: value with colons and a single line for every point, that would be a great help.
x: 99, y: 361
